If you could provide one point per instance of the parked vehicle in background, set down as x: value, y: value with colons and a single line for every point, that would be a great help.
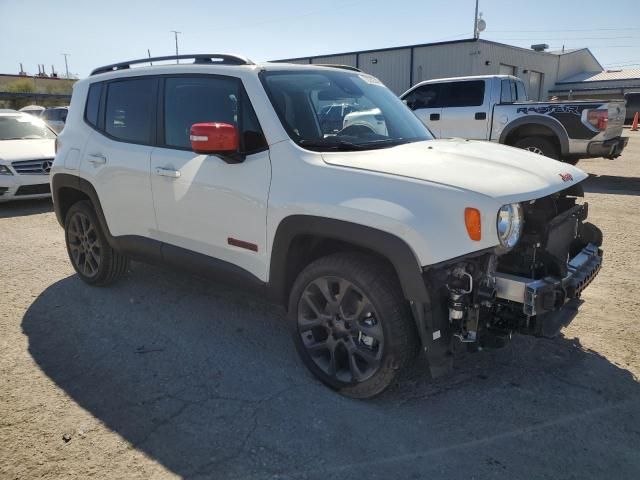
x: 633, y: 106
x: 496, y: 108
x: 35, y: 110
x: 56, y: 117
x: 378, y: 244
x: 27, y: 149
x: 331, y: 117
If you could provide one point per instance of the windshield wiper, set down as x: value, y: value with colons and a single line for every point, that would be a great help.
x: 343, y: 145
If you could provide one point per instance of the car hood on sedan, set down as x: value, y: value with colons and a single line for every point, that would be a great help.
x: 27, y: 149
x: 505, y: 173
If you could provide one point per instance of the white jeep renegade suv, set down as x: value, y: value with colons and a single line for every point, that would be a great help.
x: 379, y: 245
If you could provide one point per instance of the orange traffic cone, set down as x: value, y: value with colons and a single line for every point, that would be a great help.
x: 634, y: 125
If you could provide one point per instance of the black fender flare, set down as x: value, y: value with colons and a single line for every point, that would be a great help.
x: 62, y: 180
x: 555, y: 126
x: 134, y: 246
x: 393, y: 248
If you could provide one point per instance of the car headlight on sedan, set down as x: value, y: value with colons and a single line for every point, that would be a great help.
x: 509, y: 224
x: 4, y: 170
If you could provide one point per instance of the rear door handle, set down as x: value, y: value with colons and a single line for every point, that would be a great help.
x: 167, y: 172
x: 481, y: 115
x: 434, y: 116
x: 97, y: 159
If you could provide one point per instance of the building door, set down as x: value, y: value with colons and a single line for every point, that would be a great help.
x: 535, y: 85
x: 507, y: 70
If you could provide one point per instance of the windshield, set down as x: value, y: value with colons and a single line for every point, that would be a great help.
x: 339, y: 110
x: 23, y: 127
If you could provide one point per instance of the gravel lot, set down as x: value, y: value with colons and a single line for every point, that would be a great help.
x: 165, y: 375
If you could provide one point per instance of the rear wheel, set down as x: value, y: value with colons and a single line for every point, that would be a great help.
x: 539, y: 145
x: 91, y: 255
x: 351, y: 324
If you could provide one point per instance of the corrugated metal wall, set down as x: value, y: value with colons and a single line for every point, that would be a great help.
x: 394, y: 67
x: 442, y: 61
x: 351, y: 60
x: 576, y: 62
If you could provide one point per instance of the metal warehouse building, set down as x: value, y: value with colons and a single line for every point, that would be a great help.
x: 401, y: 67
x: 607, y: 84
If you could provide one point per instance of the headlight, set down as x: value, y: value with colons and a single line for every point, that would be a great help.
x: 509, y: 224
x: 4, y: 170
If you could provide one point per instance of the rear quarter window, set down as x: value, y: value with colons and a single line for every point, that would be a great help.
x: 93, y: 104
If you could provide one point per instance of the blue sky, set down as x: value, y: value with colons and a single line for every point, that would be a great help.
x: 95, y: 33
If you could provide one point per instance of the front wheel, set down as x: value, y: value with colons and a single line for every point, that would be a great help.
x: 351, y: 324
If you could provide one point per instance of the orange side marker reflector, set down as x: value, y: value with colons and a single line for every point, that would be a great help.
x: 472, y: 221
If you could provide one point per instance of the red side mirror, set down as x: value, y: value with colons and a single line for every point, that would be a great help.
x: 214, y: 138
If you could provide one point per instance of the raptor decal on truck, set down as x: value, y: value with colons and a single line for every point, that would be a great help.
x: 547, y: 109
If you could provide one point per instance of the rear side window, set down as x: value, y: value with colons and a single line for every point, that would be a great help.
x: 189, y: 100
x: 426, y: 96
x: 129, y: 110
x: 93, y: 104
x: 464, y: 94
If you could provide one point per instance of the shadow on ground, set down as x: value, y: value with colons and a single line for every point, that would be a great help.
x: 21, y: 208
x: 612, y: 184
x: 206, y: 382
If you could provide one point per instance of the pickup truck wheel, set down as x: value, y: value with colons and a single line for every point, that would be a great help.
x: 91, y: 255
x: 351, y: 324
x: 539, y: 145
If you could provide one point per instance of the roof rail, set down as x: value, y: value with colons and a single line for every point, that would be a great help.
x: 200, y: 58
x: 335, y: 65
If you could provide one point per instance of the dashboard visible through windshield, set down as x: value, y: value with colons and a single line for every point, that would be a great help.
x: 339, y: 110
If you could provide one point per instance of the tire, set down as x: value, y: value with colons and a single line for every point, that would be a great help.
x: 539, y: 145
x: 93, y: 259
x: 348, y: 307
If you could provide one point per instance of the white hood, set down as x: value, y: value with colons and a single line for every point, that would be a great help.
x: 12, y: 150
x: 505, y: 173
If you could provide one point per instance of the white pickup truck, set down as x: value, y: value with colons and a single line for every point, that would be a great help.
x: 496, y: 108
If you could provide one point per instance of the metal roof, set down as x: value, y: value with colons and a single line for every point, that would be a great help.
x: 419, y: 45
x: 604, y: 76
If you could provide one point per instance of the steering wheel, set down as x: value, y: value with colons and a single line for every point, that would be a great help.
x: 359, y: 131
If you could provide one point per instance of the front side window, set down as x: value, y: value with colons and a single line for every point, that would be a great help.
x: 23, y: 127
x: 369, y: 115
x: 464, y: 94
x: 426, y: 96
x: 129, y: 108
x: 189, y: 100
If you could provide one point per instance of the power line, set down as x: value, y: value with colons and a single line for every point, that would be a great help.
x: 567, y: 38
x: 570, y: 30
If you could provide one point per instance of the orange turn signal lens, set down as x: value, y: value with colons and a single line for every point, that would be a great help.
x: 472, y: 221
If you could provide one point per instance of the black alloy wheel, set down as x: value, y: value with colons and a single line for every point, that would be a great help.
x: 84, y: 245
x: 351, y: 323
x: 339, y: 327
x: 95, y: 261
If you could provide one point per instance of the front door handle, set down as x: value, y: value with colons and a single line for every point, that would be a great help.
x: 481, y: 115
x: 167, y: 172
x: 434, y: 116
x: 97, y: 159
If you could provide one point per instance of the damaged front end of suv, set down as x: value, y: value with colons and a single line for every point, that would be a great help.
x: 530, y: 284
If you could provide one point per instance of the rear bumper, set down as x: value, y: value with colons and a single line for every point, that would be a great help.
x: 551, y: 294
x: 611, y: 148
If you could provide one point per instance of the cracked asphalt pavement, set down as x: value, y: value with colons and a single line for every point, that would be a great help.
x: 167, y: 375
